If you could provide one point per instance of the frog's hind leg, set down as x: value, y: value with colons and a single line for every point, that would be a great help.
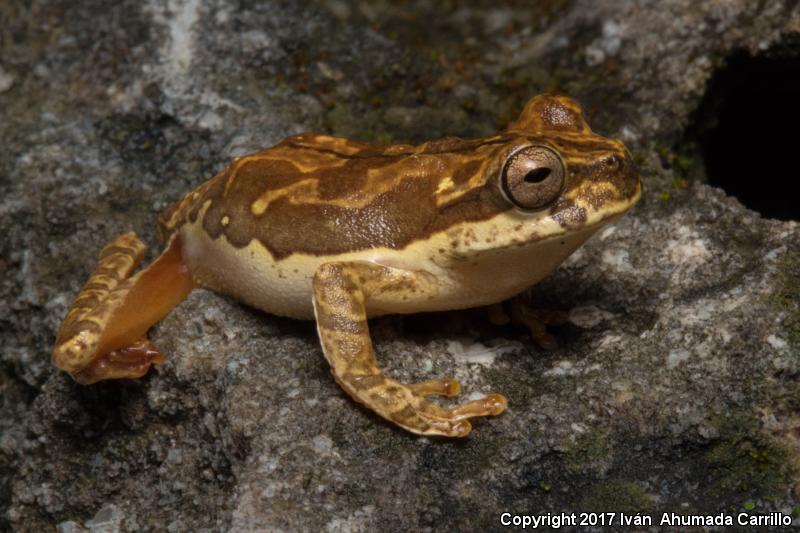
x: 104, y: 333
x: 342, y: 294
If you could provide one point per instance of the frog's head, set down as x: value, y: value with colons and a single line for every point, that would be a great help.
x: 557, y: 163
x: 552, y: 176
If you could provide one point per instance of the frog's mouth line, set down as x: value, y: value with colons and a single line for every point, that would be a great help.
x: 637, y: 195
x: 595, y: 219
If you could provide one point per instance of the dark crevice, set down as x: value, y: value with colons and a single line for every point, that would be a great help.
x: 747, y: 131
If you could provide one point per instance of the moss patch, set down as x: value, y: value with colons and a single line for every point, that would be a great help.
x: 592, y: 451
x: 745, y: 460
x: 618, y: 496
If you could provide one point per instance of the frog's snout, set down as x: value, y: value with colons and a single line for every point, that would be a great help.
x: 621, y: 172
x: 632, y: 179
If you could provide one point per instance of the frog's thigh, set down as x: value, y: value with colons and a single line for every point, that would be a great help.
x: 103, y: 335
x: 342, y: 295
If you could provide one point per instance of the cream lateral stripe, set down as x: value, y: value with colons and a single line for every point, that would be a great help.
x: 307, y: 187
x: 493, y: 233
x: 307, y: 190
x: 444, y: 184
x: 376, y: 184
x: 233, y: 170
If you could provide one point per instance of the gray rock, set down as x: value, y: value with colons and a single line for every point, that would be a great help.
x: 6, y: 80
x: 675, y: 387
x: 107, y: 520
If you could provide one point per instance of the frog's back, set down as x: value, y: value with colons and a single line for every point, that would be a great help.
x: 321, y: 195
x: 260, y: 229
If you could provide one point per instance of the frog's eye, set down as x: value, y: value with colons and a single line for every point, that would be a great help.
x: 533, y: 177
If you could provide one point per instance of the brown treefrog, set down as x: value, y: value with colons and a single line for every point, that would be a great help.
x: 324, y: 228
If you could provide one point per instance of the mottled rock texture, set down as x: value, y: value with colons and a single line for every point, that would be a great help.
x: 677, y: 383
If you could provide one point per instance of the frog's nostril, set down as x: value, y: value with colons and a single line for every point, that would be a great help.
x: 613, y: 162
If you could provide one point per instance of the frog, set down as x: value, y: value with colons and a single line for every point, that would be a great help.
x: 339, y: 231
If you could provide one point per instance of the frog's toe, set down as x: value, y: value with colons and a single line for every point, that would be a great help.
x: 537, y: 320
x: 493, y: 404
x: 437, y: 387
x: 430, y: 419
x: 130, y: 362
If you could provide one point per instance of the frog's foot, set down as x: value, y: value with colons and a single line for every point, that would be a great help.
x: 537, y: 320
x: 407, y: 407
x: 103, y: 335
x: 342, y: 292
x: 130, y: 362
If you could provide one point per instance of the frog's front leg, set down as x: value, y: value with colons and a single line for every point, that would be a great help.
x: 523, y: 313
x: 343, y: 292
x: 104, y: 333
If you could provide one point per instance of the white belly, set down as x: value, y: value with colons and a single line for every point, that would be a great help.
x: 284, y: 287
x: 250, y: 274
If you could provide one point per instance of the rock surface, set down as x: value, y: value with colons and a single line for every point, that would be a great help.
x: 677, y: 384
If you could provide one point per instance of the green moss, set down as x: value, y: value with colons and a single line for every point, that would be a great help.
x: 683, y: 160
x: 680, y: 183
x: 617, y: 495
x: 639, y: 157
x: 684, y: 157
x: 683, y: 164
x: 591, y: 451
x: 662, y: 150
x: 744, y: 460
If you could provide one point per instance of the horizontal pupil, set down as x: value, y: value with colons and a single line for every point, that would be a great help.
x: 537, y: 175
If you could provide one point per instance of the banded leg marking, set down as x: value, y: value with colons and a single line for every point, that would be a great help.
x: 104, y: 333
x: 342, y: 293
